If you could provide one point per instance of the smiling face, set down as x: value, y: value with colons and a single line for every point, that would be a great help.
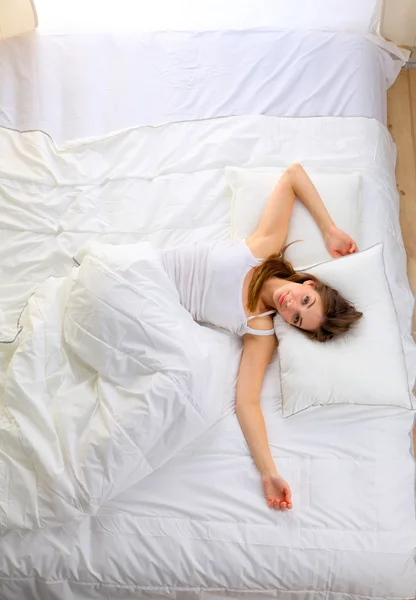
x: 299, y: 304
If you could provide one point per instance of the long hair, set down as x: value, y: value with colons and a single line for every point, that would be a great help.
x: 339, y: 314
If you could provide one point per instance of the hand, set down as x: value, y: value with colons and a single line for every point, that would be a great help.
x: 277, y: 492
x: 339, y: 243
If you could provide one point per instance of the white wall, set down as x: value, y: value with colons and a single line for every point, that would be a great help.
x: 64, y: 16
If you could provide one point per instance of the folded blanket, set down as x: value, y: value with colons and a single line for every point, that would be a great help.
x: 111, y: 378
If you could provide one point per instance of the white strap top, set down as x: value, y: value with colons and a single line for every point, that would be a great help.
x: 260, y: 331
x: 209, y: 277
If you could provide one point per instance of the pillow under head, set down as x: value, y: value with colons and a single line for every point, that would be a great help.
x: 366, y: 365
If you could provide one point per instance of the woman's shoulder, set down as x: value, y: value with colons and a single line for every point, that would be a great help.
x: 260, y: 326
x: 260, y: 336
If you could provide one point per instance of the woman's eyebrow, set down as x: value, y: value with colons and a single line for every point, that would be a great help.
x: 311, y: 304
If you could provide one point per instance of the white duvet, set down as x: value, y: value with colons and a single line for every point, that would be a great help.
x: 110, y: 378
x: 197, y: 526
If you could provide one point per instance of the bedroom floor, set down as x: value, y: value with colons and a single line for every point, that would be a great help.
x: 402, y: 125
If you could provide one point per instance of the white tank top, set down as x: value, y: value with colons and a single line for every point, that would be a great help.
x: 209, y: 277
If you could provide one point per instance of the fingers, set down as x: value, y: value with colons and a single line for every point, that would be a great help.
x: 351, y: 250
x: 353, y: 247
x: 279, y: 505
x: 285, y: 505
x: 282, y: 499
x: 288, y: 494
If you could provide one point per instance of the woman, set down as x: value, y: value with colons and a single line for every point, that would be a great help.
x: 230, y: 285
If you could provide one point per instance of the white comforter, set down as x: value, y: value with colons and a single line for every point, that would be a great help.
x: 198, y: 526
x: 110, y: 378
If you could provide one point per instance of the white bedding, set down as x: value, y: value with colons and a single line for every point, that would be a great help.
x: 198, y: 527
x: 78, y: 85
x: 111, y: 377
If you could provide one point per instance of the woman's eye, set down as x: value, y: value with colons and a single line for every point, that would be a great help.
x: 296, y: 319
x: 306, y: 300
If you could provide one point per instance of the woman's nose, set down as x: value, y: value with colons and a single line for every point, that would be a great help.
x: 293, y: 305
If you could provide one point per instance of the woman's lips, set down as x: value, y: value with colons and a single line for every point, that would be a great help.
x: 282, y: 299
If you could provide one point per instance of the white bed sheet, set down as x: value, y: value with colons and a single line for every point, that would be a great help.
x: 89, y: 84
x: 199, y: 528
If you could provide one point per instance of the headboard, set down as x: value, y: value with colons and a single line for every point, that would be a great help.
x: 398, y: 22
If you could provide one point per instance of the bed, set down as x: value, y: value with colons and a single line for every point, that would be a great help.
x: 89, y: 84
x: 198, y: 527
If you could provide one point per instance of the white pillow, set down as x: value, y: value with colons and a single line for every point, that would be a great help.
x: 365, y: 366
x: 341, y: 193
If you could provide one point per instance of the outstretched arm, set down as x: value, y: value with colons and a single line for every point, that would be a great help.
x: 337, y: 242
x: 271, y: 233
x: 256, y: 356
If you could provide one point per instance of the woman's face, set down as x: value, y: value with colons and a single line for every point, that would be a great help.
x: 299, y: 304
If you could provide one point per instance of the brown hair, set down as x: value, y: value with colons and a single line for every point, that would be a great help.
x: 339, y: 314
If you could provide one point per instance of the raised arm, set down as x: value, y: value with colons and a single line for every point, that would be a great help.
x: 256, y: 356
x: 271, y: 232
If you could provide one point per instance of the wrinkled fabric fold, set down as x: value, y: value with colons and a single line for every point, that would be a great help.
x: 111, y: 378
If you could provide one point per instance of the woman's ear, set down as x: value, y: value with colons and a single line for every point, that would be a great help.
x: 310, y: 282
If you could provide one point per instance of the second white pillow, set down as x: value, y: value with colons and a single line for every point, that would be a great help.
x: 341, y: 193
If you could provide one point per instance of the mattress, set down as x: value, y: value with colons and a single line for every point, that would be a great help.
x: 198, y: 527
x: 77, y: 85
